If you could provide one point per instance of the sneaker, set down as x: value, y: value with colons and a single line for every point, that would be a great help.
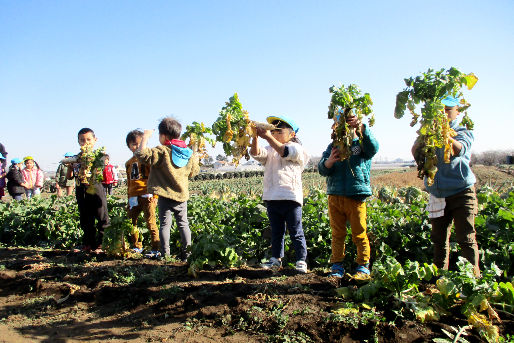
x: 362, y: 273
x: 301, y: 267
x: 273, y: 263
x: 153, y: 254
x: 337, y: 270
x: 137, y: 250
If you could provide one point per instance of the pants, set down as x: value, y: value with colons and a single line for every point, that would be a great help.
x: 340, y: 210
x: 147, y: 206
x: 108, y: 188
x: 282, y: 213
x: 167, y: 207
x: 91, y: 207
x: 461, y: 208
x: 32, y: 192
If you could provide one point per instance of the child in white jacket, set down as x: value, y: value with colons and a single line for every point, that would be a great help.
x: 283, y: 160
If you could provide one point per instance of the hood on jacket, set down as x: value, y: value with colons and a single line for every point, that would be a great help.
x: 180, y: 156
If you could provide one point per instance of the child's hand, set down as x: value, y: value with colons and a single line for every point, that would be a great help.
x: 148, y: 133
x: 335, y: 155
x: 353, y: 121
x: 263, y: 133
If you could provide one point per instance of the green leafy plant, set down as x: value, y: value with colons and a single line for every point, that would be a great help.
x: 234, y: 129
x: 345, y: 103
x: 434, y: 132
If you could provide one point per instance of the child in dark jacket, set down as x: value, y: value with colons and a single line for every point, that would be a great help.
x: 348, y: 187
x: 3, y: 174
x: 15, y: 180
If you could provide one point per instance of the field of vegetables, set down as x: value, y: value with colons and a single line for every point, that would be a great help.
x: 50, y: 293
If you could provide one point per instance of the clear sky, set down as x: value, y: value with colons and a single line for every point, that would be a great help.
x: 119, y: 65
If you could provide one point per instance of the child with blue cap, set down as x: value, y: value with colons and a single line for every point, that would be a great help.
x: 171, y: 165
x: 283, y: 160
x: 15, y: 181
x: 452, y: 195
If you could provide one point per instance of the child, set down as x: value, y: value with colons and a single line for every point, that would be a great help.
x: 3, y: 173
x: 110, y: 176
x: 452, y: 196
x: 171, y: 164
x: 33, y: 177
x: 15, y: 181
x: 90, y: 206
x: 283, y: 160
x: 138, y: 197
x: 61, y: 181
x: 348, y: 187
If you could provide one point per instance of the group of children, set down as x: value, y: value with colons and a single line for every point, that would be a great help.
x: 158, y: 177
x: 22, y: 177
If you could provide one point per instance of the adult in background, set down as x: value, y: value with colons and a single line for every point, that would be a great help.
x: 61, y: 181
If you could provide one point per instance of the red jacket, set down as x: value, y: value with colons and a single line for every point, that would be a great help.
x: 109, y: 175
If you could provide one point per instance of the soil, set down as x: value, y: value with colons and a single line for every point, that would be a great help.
x: 486, y: 175
x: 64, y: 296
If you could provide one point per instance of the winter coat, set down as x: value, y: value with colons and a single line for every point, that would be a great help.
x: 14, y: 180
x: 350, y: 177
x: 283, y: 175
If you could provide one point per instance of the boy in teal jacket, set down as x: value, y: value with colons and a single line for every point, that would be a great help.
x: 348, y: 187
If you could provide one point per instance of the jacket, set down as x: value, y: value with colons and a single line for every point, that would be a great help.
x: 283, y: 175
x: 350, y: 177
x: 456, y: 176
x: 110, y: 175
x: 167, y: 179
x: 137, y: 177
x: 33, y: 178
x: 14, y: 180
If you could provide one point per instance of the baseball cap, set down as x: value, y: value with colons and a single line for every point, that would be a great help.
x: 284, y: 119
x: 450, y: 101
x: 69, y: 154
x: 2, y: 156
x: 16, y: 160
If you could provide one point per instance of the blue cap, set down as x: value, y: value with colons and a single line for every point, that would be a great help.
x: 284, y: 119
x: 450, y: 101
x: 69, y: 154
x: 2, y: 156
x: 16, y: 160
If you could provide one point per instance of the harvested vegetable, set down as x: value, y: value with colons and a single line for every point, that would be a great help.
x: 345, y: 103
x: 234, y: 129
x: 430, y: 89
x: 91, y: 166
x: 198, y: 136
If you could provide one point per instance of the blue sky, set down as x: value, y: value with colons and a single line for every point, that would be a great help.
x: 119, y: 65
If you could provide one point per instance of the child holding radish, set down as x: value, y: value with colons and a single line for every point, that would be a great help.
x: 171, y: 165
x: 348, y: 187
x: 284, y: 160
x: 452, y: 194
